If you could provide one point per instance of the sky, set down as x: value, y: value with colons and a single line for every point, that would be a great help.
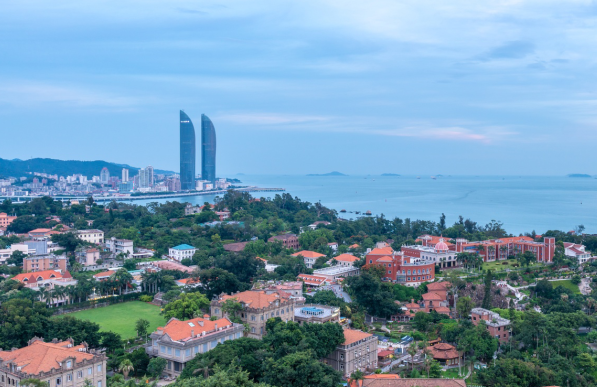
x: 295, y: 87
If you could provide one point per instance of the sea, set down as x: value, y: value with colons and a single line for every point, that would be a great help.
x: 521, y: 203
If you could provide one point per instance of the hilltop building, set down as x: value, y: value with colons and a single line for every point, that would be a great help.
x: 497, y: 326
x: 401, y: 268
x: 357, y: 352
x: 180, y: 252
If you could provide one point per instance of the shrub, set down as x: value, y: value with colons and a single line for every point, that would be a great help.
x: 146, y: 298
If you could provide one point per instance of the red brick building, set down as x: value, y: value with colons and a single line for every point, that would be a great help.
x: 290, y: 241
x: 497, y: 326
x: 401, y: 268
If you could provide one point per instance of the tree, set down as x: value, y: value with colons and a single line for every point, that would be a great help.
x: 189, y: 305
x: 487, y: 295
x: 299, y: 369
x: 16, y: 258
x: 231, y: 307
x: 204, y: 366
x: 21, y: 320
x: 373, y: 295
x: 32, y: 382
x: 141, y: 326
x: 156, y: 367
x: 111, y: 341
x: 527, y: 258
x: 66, y: 327
x: 217, y: 281
x: 435, y: 369
x: 464, y: 305
x: 412, y: 351
x: 125, y: 367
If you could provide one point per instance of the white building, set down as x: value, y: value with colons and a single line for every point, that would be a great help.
x: 91, y: 236
x: 333, y: 273
x: 118, y: 246
x: 146, y: 178
x: 105, y: 175
x: 125, y: 175
x: 181, y: 252
x: 577, y: 251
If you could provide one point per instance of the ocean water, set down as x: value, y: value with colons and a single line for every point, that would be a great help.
x: 522, y: 203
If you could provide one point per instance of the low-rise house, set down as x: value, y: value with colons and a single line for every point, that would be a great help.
x: 180, y: 252
x: 170, y: 265
x: 390, y: 380
x: 44, y: 262
x: 87, y: 256
x: 357, y: 352
x: 40, y: 233
x: 446, y: 354
x: 92, y: 236
x: 120, y: 246
x: 345, y: 260
x: 104, y: 275
x: 335, y: 273
x: 258, y: 307
x: 313, y: 281
x: 59, y: 363
x: 179, y: 341
x: 316, y: 314
x: 497, y: 326
x: 309, y: 257
x: 314, y: 225
x: 577, y: 251
x: 290, y: 241
x: 5, y: 219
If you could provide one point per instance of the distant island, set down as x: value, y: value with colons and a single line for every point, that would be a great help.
x: 334, y: 173
x: 579, y: 175
x: 390, y: 174
x: 19, y: 168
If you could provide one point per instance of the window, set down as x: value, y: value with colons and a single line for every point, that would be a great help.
x: 231, y: 337
x: 99, y: 384
x: 204, y: 348
x: 238, y: 335
x: 252, y: 317
x: 89, y: 371
x: 177, y: 352
x: 187, y: 352
x: 253, y: 330
x: 214, y: 343
x: 69, y: 364
x: 341, y: 356
x: 408, y: 272
x: 217, y: 311
x: 162, y: 349
x: 261, y: 317
x: 79, y: 374
x: 58, y: 381
x: 169, y: 351
x: 99, y: 368
x: 69, y: 377
x: 196, y: 349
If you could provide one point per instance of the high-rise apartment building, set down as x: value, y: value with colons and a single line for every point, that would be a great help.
x: 125, y: 175
x: 146, y: 177
x: 187, y: 152
x: 104, y: 176
x: 208, y: 150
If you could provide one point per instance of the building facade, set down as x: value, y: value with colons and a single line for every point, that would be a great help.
x: 180, y: 252
x: 574, y: 250
x: 146, y: 178
x: 316, y: 314
x: 105, y: 176
x: 179, y: 341
x: 5, y: 220
x: 357, y: 352
x: 497, y: 326
x: 258, y: 307
x: 44, y: 262
x: 91, y: 236
x: 208, y: 150
x: 58, y: 363
x: 439, y: 253
x: 118, y: 246
x: 309, y: 257
x: 401, y: 268
x: 290, y: 241
x: 87, y: 256
x: 187, y: 152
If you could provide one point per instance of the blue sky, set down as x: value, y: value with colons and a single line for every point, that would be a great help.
x: 294, y: 87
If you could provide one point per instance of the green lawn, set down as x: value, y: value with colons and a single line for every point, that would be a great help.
x: 121, y: 318
x: 567, y: 284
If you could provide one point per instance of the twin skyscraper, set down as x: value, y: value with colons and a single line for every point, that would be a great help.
x: 188, y: 148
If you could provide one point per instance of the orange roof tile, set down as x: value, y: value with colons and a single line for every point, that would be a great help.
x: 382, y: 251
x: 432, y: 297
x: 354, y: 246
x: 40, y: 230
x: 308, y: 254
x: 107, y: 273
x: 442, y: 286
x: 38, y: 276
x: 346, y: 258
x: 385, y: 259
x: 42, y: 357
x: 311, y: 279
x: 255, y: 299
x: 179, y: 330
x: 353, y: 335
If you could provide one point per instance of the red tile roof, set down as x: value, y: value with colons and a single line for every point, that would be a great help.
x: 179, y: 330
x: 103, y: 274
x: 255, y: 299
x: 308, y: 254
x: 353, y: 335
x: 382, y: 251
x: 311, y: 279
x: 42, y: 357
x: 40, y: 275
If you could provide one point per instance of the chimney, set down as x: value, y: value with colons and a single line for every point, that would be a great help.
x: 192, y: 333
x: 216, y: 326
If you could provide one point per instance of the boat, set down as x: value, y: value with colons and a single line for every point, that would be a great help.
x: 368, y: 213
x: 342, y: 210
x: 418, y: 177
x: 357, y: 212
x: 434, y: 178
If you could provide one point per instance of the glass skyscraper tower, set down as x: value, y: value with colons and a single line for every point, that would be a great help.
x: 187, y: 153
x: 208, y: 149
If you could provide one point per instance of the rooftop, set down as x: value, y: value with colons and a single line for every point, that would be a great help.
x: 495, y: 320
x: 333, y: 270
x: 184, y: 246
x: 321, y: 311
x: 308, y: 254
x: 255, y: 299
x: 353, y: 335
x: 179, y: 330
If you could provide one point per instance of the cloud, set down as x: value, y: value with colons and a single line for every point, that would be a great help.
x: 517, y: 49
x: 270, y: 118
x: 451, y: 133
x: 31, y: 93
x: 192, y: 11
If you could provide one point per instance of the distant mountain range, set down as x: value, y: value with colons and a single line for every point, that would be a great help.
x: 334, y: 173
x: 390, y: 174
x: 579, y: 175
x: 17, y: 168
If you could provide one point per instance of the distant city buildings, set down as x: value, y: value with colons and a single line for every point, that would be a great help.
x: 104, y: 176
x: 146, y: 178
x: 125, y: 175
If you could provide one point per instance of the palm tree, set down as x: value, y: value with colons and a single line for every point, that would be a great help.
x: 42, y: 293
x: 355, y: 377
x: 125, y: 367
x: 591, y: 304
x: 204, y: 366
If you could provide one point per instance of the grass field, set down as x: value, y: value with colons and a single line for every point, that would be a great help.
x: 567, y: 284
x: 121, y: 318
